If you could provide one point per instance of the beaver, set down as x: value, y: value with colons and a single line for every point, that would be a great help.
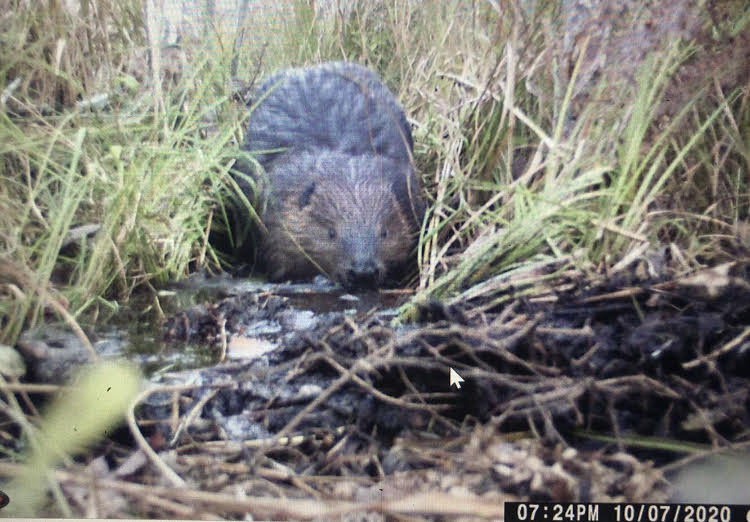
x: 340, y: 195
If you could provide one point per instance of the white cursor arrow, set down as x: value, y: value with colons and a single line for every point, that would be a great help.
x: 456, y: 379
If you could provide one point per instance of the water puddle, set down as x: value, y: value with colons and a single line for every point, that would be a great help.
x: 263, y: 312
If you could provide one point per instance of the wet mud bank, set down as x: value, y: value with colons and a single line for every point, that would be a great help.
x: 591, y: 391
x: 614, y: 370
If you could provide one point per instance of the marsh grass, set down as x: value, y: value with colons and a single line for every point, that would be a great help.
x: 72, y: 422
x: 100, y: 199
x: 112, y: 180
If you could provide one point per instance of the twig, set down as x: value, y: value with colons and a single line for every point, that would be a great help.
x: 141, y: 440
x: 731, y: 345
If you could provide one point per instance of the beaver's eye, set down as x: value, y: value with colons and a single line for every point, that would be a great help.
x: 304, y: 198
x: 332, y: 233
x: 384, y: 233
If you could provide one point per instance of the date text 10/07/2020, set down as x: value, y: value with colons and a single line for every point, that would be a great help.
x: 624, y: 512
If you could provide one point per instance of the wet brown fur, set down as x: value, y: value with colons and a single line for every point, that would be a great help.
x: 340, y: 191
x: 299, y: 243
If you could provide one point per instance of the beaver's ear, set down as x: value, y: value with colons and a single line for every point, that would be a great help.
x: 304, y: 197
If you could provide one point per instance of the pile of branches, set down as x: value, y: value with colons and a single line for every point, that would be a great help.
x: 361, y: 416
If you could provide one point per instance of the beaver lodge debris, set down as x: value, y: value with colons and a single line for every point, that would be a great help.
x: 585, y: 393
x: 578, y: 395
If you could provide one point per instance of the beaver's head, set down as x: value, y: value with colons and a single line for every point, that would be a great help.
x: 352, y: 218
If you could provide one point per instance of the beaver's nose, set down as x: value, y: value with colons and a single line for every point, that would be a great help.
x: 363, y: 273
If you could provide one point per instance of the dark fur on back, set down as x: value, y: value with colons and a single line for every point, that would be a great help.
x: 341, y: 194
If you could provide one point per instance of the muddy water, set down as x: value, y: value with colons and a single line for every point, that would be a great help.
x: 136, y: 331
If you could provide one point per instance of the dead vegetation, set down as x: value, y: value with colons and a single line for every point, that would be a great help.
x: 361, y: 417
